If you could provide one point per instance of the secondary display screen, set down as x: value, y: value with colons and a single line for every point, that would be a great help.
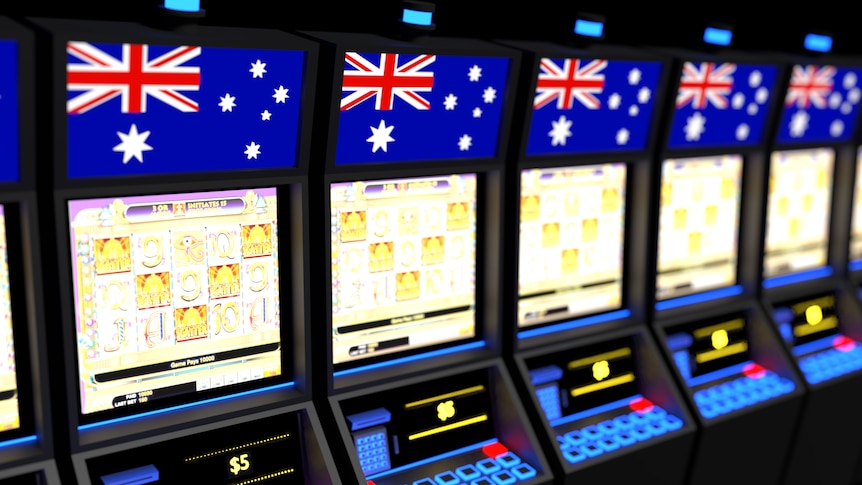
x: 174, y: 294
x: 698, y: 225
x: 403, y: 265
x: 9, y: 110
x: 798, y: 209
x: 407, y: 424
x: 267, y: 450
x: 703, y: 347
x: 571, y: 242
x: 807, y: 319
x: 9, y: 413
x: 856, y: 224
x: 572, y: 381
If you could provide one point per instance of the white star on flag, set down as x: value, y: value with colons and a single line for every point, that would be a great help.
x: 695, y: 126
x: 465, y: 142
x: 133, y: 144
x: 622, y: 136
x: 227, y: 102
x: 380, y: 136
x: 477, y: 112
x: 489, y: 95
x: 614, y: 101
x: 798, y: 123
x: 560, y: 131
x: 252, y: 151
x: 280, y: 94
x: 634, y: 76
x: 475, y: 73
x: 265, y: 115
x: 257, y: 69
x: 450, y: 101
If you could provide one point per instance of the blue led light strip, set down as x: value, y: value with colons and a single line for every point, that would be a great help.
x: 797, y: 277
x: 855, y: 265
x: 719, y: 374
x: 716, y: 36
x: 699, y: 297
x: 604, y: 317
x: 411, y: 358
x: 18, y: 441
x: 432, y: 459
x: 818, y: 43
x: 416, y: 17
x: 108, y: 422
x: 594, y: 411
x: 183, y: 5
x: 589, y: 28
x: 821, y: 344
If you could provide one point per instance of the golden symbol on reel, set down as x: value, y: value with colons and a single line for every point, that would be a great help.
x: 445, y: 410
x: 720, y: 339
x: 601, y: 370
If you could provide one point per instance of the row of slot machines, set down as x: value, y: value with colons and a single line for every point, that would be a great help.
x: 498, y: 262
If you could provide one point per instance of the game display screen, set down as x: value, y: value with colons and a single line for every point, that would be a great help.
x: 807, y: 319
x: 410, y: 423
x: 592, y: 105
x: 581, y: 379
x: 821, y: 104
x: 9, y: 414
x: 703, y: 347
x: 403, y: 265
x: 798, y: 209
x: 407, y: 107
x: 721, y: 104
x: 698, y: 224
x: 571, y: 242
x: 174, y: 294
x: 856, y: 224
x: 9, y: 110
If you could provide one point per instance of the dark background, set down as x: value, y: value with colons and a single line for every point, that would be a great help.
x: 758, y: 26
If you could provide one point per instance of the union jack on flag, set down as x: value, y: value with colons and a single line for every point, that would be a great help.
x: 592, y: 105
x: 570, y: 81
x: 398, y: 107
x: 721, y: 104
x: 9, y: 142
x: 151, y: 109
x: 821, y: 104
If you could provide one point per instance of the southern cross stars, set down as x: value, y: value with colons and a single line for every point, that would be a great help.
x: 133, y: 144
x: 380, y: 136
x: 257, y: 69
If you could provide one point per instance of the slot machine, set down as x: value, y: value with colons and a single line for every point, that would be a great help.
x: 805, y: 259
x: 180, y: 204
x: 601, y: 395
x: 26, y: 434
x: 417, y: 386
x: 734, y: 372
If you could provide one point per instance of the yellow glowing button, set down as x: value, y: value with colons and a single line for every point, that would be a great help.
x: 813, y: 314
x: 601, y: 369
x: 719, y: 339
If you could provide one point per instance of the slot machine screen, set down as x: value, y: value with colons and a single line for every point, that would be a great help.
x: 408, y: 424
x: 584, y: 378
x: 703, y: 347
x: 571, y: 242
x: 9, y: 110
x: 698, y: 225
x: 807, y: 319
x: 798, y: 209
x: 856, y: 224
x: 10, y: 418
x: 174, y: 294
x: 403, y: 266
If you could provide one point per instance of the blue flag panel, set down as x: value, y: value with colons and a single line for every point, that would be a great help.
x: 721, y: 104
x: 592, y: 105
x: 419, y: 107
x: 9, y: 150
x: 821, y: 105
x: 136, y: 109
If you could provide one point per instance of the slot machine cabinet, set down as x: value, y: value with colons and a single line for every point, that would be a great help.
x: 734, y: 373
x: 26, y: 433
x: 604, y: 403
x: 413, y: 184
x: 180, y: 210
x: 805, y: 267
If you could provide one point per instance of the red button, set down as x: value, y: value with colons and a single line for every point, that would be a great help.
x: 495, y: 449
x: 754, y: 371
x: 641, y: 405
x: 843, y: 343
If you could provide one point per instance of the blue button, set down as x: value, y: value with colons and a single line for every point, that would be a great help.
x: 487, y: 465
x: 504, y: 478
x: 446, y: 478
x: 574, y: 456
x: 424, y: 481
x: 623, y: 422
x: 575, y: 437
x: 641, y: 434
x: 508, y: 459
x: 591, y: 432
x: 468, y: 472
x: 625, y: 439
x: 591, y: 450
x: 608, y: 444
x: 608, y: 428
x: 672, y: 423
x: 524, y: 471
x: 482, y: 481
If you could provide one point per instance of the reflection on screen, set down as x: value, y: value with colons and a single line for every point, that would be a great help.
x: 576, y: 380
x: 856, y: 225
x: 403, y: 264
x: 698, y: 225
x: 704, y: 347
x: 571, y: 242
x: 174, y: 294
x: 9, y: 416
x: 798, y: 208
x: 407, y: 424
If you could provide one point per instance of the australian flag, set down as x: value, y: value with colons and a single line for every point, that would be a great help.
x: 9, y: 150
x: 821, y: 105
x: 419, y: 107
x: 153, y: 109
x: 721, y: 104
x: 592, y: 105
